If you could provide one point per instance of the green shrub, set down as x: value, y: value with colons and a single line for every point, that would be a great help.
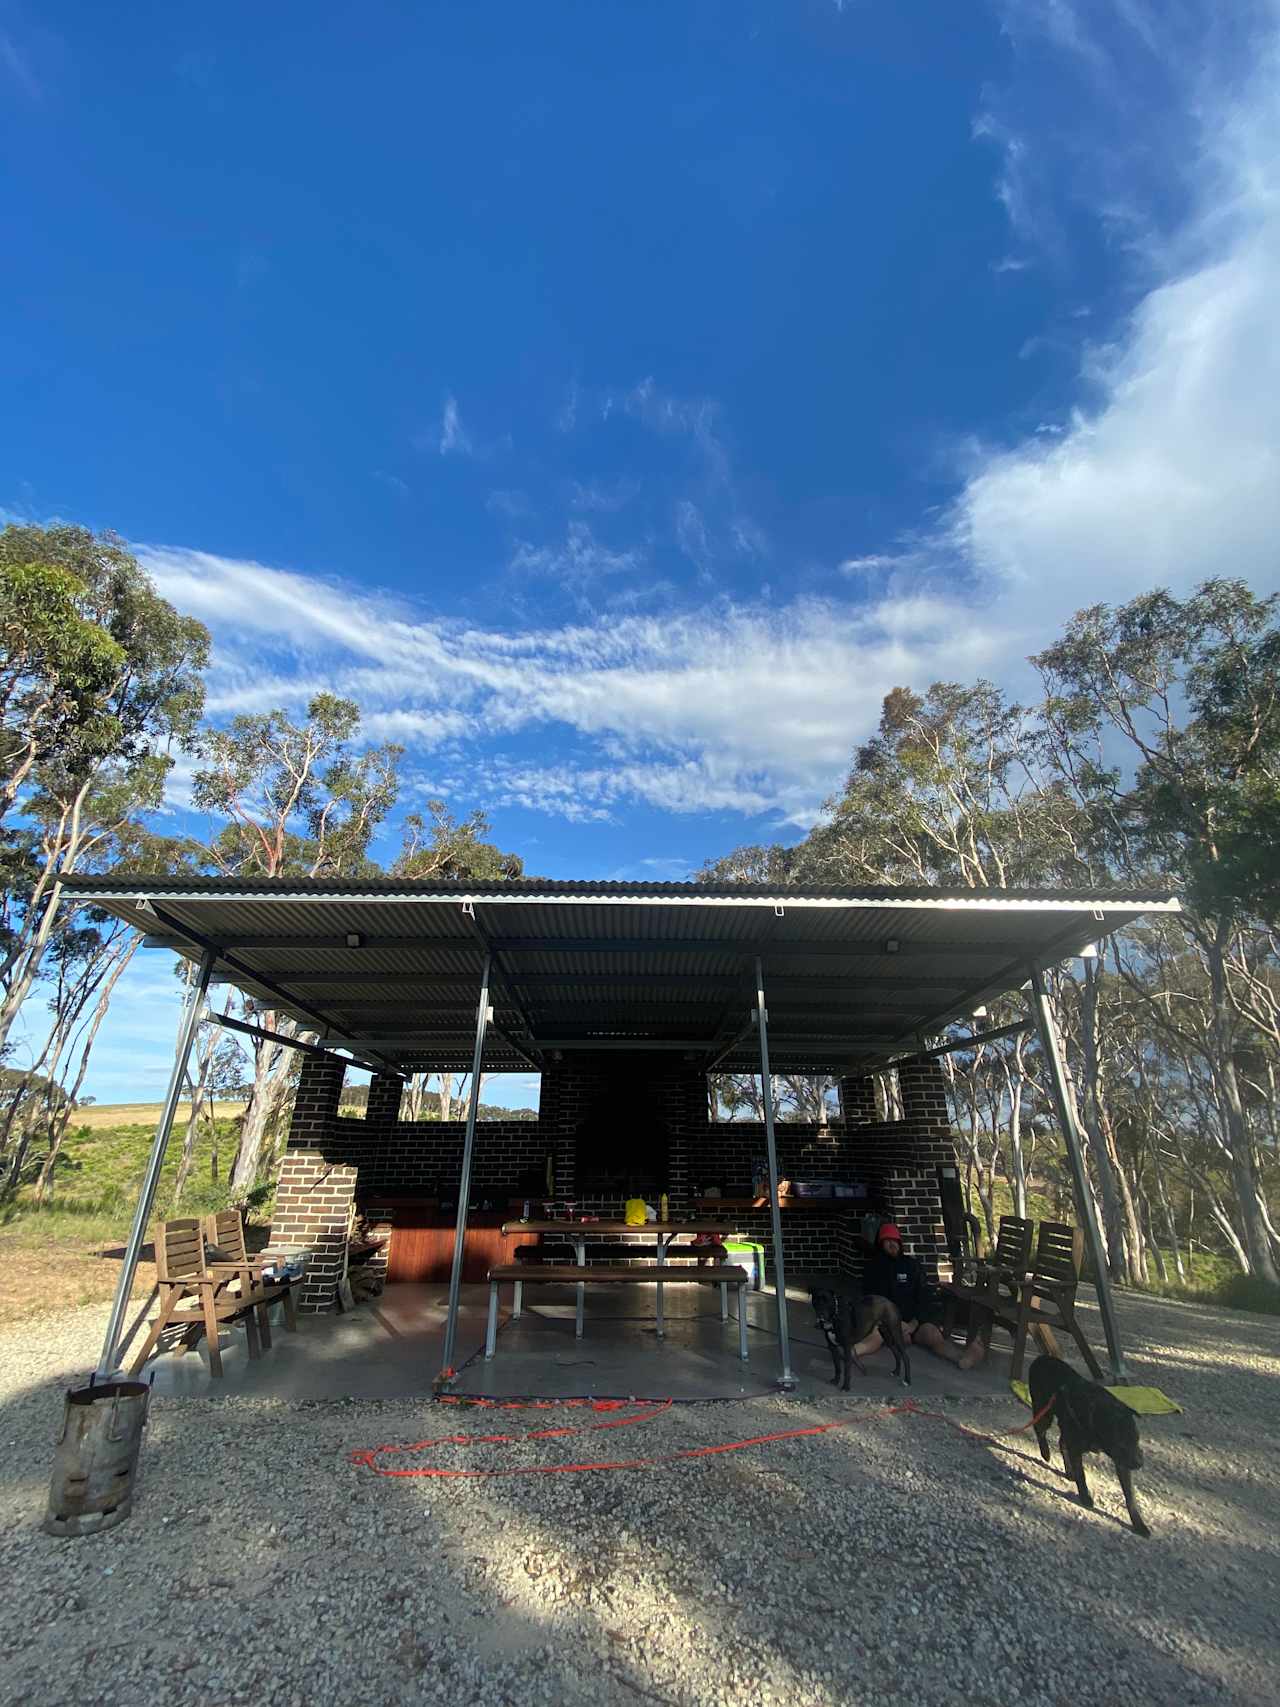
x: 1250, y: 1292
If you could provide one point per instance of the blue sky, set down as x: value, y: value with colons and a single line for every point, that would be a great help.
x: 618, y: 401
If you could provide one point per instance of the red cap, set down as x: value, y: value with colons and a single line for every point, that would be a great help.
x: 888, y: 1231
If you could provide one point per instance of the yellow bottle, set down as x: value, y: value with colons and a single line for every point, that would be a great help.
x: 663, y: 1207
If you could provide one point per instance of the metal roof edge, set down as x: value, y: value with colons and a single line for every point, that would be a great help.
x: 112, y: 888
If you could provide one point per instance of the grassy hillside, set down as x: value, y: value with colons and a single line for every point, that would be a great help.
x: 68, y: 1251
x: 144, y: 1114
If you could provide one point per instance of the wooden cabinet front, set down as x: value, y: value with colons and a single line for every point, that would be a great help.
x: 422, y: 1247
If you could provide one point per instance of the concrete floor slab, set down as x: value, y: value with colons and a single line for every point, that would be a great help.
x: 620, y: 1355
x: 392, y: 1349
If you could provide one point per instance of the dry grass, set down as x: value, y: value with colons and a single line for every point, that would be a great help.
x: 68, y: 1251
x: 39, y: 1274
x: 98, y: 1115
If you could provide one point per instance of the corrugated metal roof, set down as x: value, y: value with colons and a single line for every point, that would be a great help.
x: 851, y: 975
x: 546, y: 888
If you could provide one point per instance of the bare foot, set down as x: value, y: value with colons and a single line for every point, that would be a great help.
x: 972, y: 1354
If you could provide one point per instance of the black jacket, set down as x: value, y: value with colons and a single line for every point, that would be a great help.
x: 899, y: 1279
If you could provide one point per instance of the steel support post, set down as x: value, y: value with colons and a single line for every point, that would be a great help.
x: 464, y: 1183
x: 775, y: 1204
x: 1068, y: 1119
x: 151, y: 1179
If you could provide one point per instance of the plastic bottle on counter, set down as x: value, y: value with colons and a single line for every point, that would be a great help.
x: 664, y: 1208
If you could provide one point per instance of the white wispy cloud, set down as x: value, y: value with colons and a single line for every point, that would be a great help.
x: 1170, y: 472
x: 577, y: 562
x: 691, y: 533
x: 606, y: 496
x: 16, y: 63
x: 514, y: 504
x: 454, y: 438
x: 736, y: 707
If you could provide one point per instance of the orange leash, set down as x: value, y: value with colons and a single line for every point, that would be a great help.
x: 647, y: 1409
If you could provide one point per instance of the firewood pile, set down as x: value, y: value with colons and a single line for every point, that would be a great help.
x: 365, y: 1282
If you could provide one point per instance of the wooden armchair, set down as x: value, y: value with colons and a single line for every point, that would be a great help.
x: 1045, y: 1299
x: 994, y: 1278
x: 193, y: 1299
x: 243, y: 1274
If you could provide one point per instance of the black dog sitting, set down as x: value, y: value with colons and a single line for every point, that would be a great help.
x: 1089, y: 1420
x: 845, y: 1320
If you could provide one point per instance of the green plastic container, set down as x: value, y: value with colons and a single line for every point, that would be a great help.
x: 750, y: 1255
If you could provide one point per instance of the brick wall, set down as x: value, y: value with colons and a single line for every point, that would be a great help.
x: 589, y: 1103
x: 314, y: 1197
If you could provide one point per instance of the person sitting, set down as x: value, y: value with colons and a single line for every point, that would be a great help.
x: 892, y: 1274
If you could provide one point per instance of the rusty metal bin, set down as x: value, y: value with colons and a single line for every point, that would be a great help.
x: 96, y: 1461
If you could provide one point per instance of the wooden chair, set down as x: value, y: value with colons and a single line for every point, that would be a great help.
x: 1046, y: 1298
x: 994, y: 1278
x: 225, y: 1232
x: 192, y: 1298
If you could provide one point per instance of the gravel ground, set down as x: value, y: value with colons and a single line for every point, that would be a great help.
x: 893, y: 1560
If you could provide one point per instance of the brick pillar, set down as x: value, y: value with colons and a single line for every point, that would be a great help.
x: 688, y: 1138
x: 858, y: 1101
x: 315, y: 1103
x: 561, y: 1106
x: 314, y: 1192
x: 924, y: 1095
x: 383, y: 1111
x: 312, y: 1216
x: 911, y: 1181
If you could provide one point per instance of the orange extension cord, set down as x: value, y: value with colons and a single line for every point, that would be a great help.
x: 646, y: 1410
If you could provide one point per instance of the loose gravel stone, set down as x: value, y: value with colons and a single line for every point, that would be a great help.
x: 893, y: 1560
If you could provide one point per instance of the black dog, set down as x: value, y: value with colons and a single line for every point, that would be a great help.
x: 845, y: 1320
x: 1089, y: 1420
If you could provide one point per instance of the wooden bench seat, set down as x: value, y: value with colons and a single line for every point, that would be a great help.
x: 1044, y: 1300
x: 570, y: 1274
x: 723, y: 1275
x: 243, y: 1274
x: 197, y: 1296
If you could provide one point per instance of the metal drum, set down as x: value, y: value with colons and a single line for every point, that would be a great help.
x: 97, y: 1457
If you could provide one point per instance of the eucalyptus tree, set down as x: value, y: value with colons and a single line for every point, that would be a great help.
x: 1168, y: 710
x: 290, y: 799
x: 100, y: 680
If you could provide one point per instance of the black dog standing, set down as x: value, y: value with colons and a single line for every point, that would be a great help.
x: 845, y: 1320
x: 1089, y: 1420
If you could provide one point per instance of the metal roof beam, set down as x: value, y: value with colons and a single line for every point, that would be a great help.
x: 328, y: 940
x: 715, y: 985
x: 1010, y: 977
x: 732, y: 1044
x: 317, y: 1018
x: 224, y: 1022
x: 495, y: 962
x: 970, y: 1042
x: 694, y: 1045
x: 770, y: 950
x: 874, y: 949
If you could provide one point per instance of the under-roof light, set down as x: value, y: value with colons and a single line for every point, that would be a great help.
x: 354, y: 939
x: 979, y: 1013
x: 1089, y: 951
x: 891, y: 946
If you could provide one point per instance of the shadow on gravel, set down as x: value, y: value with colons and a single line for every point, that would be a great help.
x: 963, y: 1569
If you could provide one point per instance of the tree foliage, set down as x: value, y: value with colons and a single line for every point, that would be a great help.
x: 441, y: 846
x: 1151, y: 759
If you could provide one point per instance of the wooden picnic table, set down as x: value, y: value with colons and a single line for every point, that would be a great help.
x: 580, y: 1233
